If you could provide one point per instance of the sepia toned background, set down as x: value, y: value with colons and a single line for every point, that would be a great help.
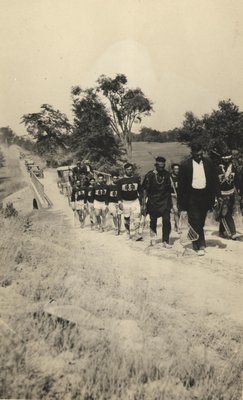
x: 185, y: 55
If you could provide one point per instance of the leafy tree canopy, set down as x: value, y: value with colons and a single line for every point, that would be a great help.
x: 221, y: 130
x: 92, y: 134
x: 125, y: 107
x: 46, y: 124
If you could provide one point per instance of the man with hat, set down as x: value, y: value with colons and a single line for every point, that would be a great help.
x: 157, y: 200
x: 229, y: 181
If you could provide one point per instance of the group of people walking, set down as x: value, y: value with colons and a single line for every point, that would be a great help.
x: 194, y: 187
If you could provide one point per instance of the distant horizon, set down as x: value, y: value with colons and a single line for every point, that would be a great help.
x: 184, y: 55
x: 141, y: 125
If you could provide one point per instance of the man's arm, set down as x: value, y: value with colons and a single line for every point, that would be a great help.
x: 144, y: 193
x: 107, y: 195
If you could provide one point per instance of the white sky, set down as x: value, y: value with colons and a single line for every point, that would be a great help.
x: 184, y: 54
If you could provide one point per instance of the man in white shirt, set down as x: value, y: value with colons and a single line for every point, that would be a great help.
x: 198, y: 185
x: 198, y: 175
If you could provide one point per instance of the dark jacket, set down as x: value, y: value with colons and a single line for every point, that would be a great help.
x: 158, y: 193
x: 185, y: 183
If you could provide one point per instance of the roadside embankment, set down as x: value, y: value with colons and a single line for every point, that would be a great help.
x: 91, y: 316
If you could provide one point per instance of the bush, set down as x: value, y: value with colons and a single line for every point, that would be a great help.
x: 9, y: 211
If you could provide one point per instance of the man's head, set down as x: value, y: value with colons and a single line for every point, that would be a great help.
x: 100, y: 178
x: 197, y: 152
x: 160, y: 164
x: 128, y: 167
x: 175, y: 169
x: 92, y: 181
x: 115, y: 177
x: 226, y: 158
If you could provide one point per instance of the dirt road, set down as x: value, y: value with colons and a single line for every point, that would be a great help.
x: 200, y: 286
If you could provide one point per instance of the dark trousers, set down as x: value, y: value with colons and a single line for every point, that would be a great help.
x: 166, y: 225
x: 197, y: 212
x: 228, y: 224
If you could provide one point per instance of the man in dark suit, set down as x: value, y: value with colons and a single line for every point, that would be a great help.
x: 198, y: 186
x: 156, y: 189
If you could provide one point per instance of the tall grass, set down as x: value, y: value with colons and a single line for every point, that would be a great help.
x: 44, y: 357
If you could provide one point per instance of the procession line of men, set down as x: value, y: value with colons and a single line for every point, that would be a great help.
x: 194, y: 187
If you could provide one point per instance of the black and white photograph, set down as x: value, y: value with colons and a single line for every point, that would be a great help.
x: 121, y: 200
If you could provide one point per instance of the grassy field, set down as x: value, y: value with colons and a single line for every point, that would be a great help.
x: 144, y: 153
x: 43, y: 357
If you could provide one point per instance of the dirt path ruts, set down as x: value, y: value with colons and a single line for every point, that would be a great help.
x: 209, y: 285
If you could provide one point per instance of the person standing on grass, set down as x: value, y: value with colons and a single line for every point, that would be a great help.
x: 198, y: 185
x: 129, y: 188
x: 174, y: 186
x: 229, y: 179
x: 113, y: 202
x: 89, y: 202
x: 157, y: 200
x: 100, y: 202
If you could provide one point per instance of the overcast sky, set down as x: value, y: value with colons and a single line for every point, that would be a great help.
x: 184, y: 54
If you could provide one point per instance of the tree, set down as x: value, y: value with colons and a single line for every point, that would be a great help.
x: 221, y: 129
x: 92, y: 135
x: 192, y: 128
x: 50, y: 128
x: 125, y: 107
x: 225, y: 125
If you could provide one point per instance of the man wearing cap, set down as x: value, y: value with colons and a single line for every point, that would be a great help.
x: 157, y: 200
x: 229, y: 181
x: 198, y: 186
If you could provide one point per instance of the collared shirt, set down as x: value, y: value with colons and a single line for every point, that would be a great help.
x: 198, y: 176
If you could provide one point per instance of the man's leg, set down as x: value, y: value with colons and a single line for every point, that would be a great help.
x: 91, y: 216
x: 176, y: 219
x: 83, y: 216
x: 153, y: 230
x: 202, y: 243
x: 80, y: 217
x: 229, y: 216
x: 135, y: 224
x: 135, y: 220
x: 127, y: 224
x: 175, y: 213
x: 103, y: 219
x: 113, y: 213
x: 98, y: 217
x: 196, y: 218
x: 166, y: 227
x: 118, y: 224
x: 114, y: 217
